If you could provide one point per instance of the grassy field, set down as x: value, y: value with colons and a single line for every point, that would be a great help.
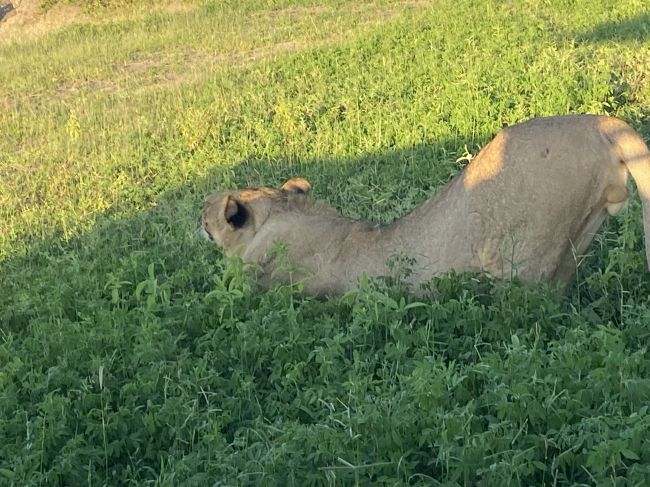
x: 133, y: 353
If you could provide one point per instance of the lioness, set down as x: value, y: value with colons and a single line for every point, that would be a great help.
x: 527, y: 206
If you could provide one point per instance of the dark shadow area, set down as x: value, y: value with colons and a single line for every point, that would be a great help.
x: 378, y: 187
x: 633, y: 29
x: 132, y: 296
x: 122, y: 347
x: 52, y: 278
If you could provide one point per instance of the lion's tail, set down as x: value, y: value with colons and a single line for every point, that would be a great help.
x: 634, y: 153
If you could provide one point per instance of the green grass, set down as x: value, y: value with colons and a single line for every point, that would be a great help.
x: 133, y: 353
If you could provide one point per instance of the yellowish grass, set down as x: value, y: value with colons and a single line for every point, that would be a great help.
x: 30, y: 21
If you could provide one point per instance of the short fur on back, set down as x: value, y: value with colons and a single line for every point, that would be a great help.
x: 527, y: 206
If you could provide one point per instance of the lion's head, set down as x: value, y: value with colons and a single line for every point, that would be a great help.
x: 232, y: 219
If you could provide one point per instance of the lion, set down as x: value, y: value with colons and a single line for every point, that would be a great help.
x: 526, y: 207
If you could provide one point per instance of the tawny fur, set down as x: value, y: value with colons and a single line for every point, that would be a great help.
x: 527, y: 206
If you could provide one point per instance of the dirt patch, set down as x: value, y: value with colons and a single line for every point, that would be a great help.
x: 242, y: 58
x: 147, y: 70
x: 155, y: 71
x: 28, y: 20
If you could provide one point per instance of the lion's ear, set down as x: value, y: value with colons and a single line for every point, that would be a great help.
x: 235, y: 213
x: 297, y: 186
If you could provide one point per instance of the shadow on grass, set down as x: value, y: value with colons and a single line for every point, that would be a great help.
x: 633, y: 29
x: 113, y: 350
x: 73, y: 277
x: 98, y: 324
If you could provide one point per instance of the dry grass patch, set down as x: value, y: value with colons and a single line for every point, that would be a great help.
x: 30, y: 20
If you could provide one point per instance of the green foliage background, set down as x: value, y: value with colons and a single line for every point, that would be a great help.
x: 133, y: 353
